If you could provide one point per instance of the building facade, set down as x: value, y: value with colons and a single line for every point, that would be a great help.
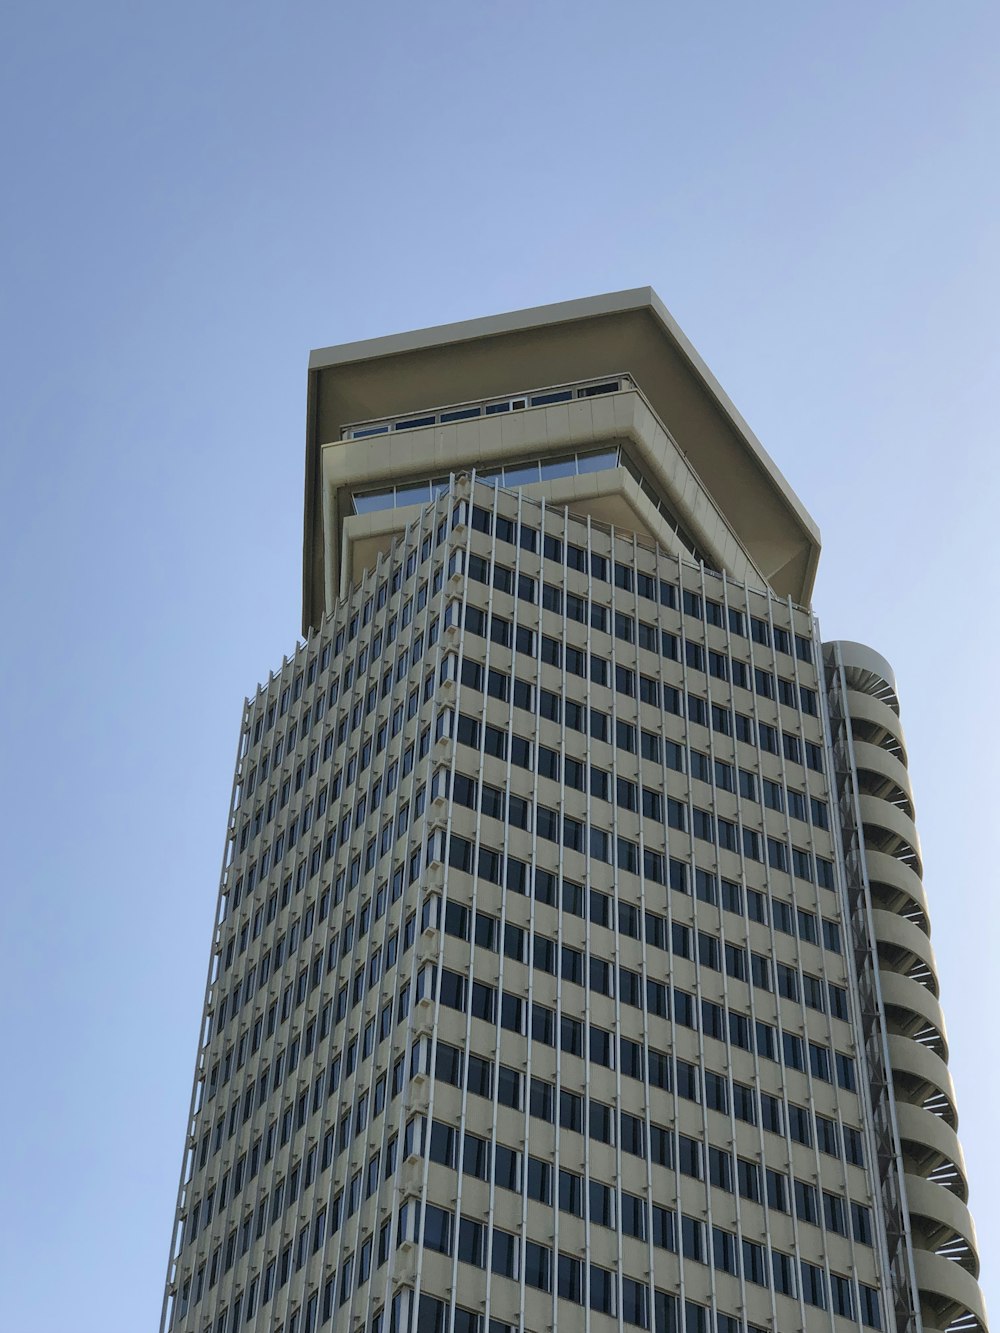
x: 572, y: 965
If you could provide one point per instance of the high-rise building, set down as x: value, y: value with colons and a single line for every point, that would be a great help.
x: 572, y: 966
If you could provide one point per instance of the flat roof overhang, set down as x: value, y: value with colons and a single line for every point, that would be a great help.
x: 628, y: 331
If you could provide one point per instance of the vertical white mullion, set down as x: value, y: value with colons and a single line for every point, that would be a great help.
x: 802, y: 1021
x: 644, y: 965
x: 268, y: 1050
x: 536, y: 740
x: 255, y: 1063
x: 475, y: 872
x: 174, y: 1270
x: 474, y: 875
x: 724, y: 974
x: 773, y: 958
x: 296, y: 1027
x: 523, y: 1233
x: 429, y: 513
x: 702, y: 1062
x: 375, y: 819
x: 288, y: 1220
x: 470, y: 493
x: 752, y: 998
x: 588, y: 864
x: 675, y: 574
x: 382, y: 566
x: 282, y: 1161
x: 394, y: 1126
x: 777, y: 995
x: 616, y: 900
x: 402, y: 981
x: 361, y: 686
x: 425, y: 768
x: 223, y: 1217
x: 417, y: 898
x: 397, y: 555
x: 358, y: 687
x: 827, y: 1022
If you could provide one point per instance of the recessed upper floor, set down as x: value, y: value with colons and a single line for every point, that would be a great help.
x: 600, y: 405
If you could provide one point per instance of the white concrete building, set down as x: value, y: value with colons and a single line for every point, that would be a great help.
x: 572, y: 967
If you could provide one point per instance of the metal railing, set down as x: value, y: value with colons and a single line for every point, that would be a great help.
x: 488, y: 407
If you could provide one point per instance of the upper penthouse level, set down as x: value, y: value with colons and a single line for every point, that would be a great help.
x: 600, y: 405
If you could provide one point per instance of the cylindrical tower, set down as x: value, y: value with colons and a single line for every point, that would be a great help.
x: 931, y: 1238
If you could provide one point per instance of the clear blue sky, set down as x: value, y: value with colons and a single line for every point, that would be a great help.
x: 196, y: 195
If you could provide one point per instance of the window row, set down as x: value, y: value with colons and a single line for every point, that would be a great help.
x: 600, y: 1047
x: 516, y: 942
x: 657, y: 591
x: 611, y: 1206
x: 669, y: 1315
x: 628, y: 629
x: 497, y: 867
x: 507, y: 807
x: 585, y: 1283
x: 708, y: 887
x: 670, y: 699
x: 651, y: 745
x: 547, y: 1102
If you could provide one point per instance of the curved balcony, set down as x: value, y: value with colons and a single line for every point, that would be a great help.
x: 931, y: 1148
x: 903, y: 947
x: 911, y: 1010
x: 942, y: 1223
x: 888, y: 829
x: 931, y: 1162
x: 897, y: 888
x: 922, y: 1078
x: 948, y: 1293
x: 875, y: 722
x: 868, y: 671
x: 881, y: 774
